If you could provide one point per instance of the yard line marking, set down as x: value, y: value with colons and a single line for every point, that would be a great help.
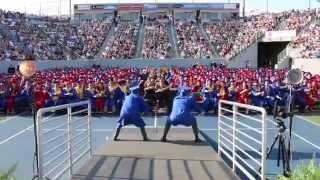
x: 15, y: 135
x: 309, y: 121
x: 10, y: 118
x: 304, y: 139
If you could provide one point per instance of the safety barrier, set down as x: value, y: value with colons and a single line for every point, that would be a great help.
x: 242, y: 139
x: 63, y: 140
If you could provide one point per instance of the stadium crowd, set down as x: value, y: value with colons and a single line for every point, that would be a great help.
x: 49, y: 38
x: 230, y: 37
x: 191, y: 42
x: 57, y: 39
x: 156, y: 42
x: 107, y: 87
x: 308, y: 42
x: 122, y: 45
x: 84, y: 40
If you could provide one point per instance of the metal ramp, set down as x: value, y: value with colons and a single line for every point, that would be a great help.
x: 131, y: 158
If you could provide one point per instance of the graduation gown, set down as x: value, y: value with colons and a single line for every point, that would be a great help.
x: 181, y: 111
x: 133, y: 105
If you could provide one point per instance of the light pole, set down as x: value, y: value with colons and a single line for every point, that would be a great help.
x: 309, y: 4
x: 28, y: 68
x: 70, y: 9
x: 267, y: 6
x: 244, y: 8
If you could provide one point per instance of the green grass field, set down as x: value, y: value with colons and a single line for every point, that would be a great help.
x: 2, y: 118
x: 314, y: 117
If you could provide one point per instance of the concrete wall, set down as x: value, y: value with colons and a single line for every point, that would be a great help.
x: 248, y: 57
x: 308, y: 65
x: 117, y: 63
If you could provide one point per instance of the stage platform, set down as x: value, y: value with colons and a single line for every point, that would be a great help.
x: 178, y: 159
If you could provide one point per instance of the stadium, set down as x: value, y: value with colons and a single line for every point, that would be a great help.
x: 90, y: 90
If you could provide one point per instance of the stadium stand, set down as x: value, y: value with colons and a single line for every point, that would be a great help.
x: 56, y: 39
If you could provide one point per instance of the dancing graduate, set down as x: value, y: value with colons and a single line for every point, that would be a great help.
x: 183, y: 104
x: 133, y: 105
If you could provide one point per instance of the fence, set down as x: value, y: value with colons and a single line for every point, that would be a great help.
x: 63, y: 140
x: 242, y: 139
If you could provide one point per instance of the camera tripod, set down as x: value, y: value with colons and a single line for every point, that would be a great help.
x: 282, y: 148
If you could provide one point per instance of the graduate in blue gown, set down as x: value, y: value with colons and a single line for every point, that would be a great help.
x: 257, y: 95
x: 181, y: 114
x: 209, y: 99
x: 2, y: 96
x: 133, y: 105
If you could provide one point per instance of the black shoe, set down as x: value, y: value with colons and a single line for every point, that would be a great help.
x: 197, y: 140
x: 163, y: 139
x: 115, y: 139
x: 145, y: 139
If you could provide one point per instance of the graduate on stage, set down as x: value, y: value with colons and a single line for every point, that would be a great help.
x: 181, y: 114
x: 130, y: 112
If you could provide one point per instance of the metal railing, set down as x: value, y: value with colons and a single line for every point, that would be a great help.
x: 63, y: 140
x: 242, y: 139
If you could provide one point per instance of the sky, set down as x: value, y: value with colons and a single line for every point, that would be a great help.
x: 52, y: 7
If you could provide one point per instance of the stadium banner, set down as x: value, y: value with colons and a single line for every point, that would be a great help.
x: 230, y: 6
x: 287, y: 35
x: 97, y: 7
x: 150, y: 6
x: 109, y: 7
x: 84, y: 7
x: 130, y: 7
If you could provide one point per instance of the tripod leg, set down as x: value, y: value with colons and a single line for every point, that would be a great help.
x: 284, y: 156
x: 272, y: 146
x: 279, y: 151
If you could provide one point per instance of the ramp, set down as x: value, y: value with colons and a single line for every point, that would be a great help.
x: 179, y: 158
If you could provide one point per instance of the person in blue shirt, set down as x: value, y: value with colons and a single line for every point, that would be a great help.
x: 181, y: 114
x: 133, y: 105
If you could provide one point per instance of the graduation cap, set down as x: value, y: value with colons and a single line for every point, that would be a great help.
x: 184, y: 90
x: 134, y: 89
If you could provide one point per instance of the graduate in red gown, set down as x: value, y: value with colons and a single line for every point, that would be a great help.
x: 41, y: 96
x: 11, y: 96
x: 243, y: 94
x: 100, y: 98
x: 310, y: 99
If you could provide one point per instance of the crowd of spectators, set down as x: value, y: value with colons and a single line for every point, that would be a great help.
x: 49, y: 38
x: 107, y: 87
x: 230, y: 37
x: 122, y: 45
x: 52, y: 38
x: 18, y: 37
x: 297, y: 19
x: 191, y: 43
x: 308, y: 42
x: 156, y: 43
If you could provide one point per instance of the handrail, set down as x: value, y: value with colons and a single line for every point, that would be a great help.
x: 55, y: 162
x: 233, y: 139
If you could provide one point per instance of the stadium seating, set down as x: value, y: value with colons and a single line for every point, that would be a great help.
x: 50, y: 38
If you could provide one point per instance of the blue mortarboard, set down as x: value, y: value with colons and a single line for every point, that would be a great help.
x: 184, y: 90
x: 134, y: 88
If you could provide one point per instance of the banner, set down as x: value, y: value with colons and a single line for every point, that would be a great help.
x: 84, y: 7
x: 271, y: 36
